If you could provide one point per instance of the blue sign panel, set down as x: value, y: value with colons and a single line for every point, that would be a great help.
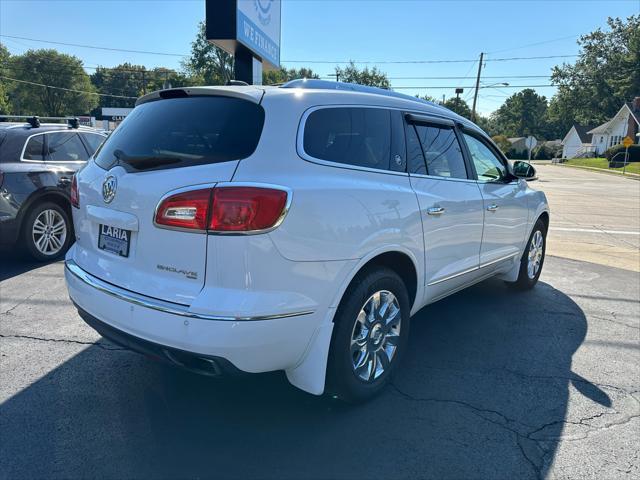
x: 258, y: 28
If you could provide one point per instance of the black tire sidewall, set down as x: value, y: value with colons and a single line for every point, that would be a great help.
x: 523, y: 277
x: 27, y: 229
x: 341, y: 379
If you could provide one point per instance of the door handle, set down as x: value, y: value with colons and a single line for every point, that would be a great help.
x: 435, y: 211
x: 493, y: 207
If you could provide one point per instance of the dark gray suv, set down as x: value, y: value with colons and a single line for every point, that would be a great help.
x: 37, y: 164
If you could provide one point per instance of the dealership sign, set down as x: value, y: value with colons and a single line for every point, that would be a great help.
x: 255, y: 24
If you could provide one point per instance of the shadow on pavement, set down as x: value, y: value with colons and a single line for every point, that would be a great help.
x: 14, y: 262
x: 479, y: 395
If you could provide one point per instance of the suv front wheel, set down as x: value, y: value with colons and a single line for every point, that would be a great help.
x: 369, y: 337
x: 47, y: 232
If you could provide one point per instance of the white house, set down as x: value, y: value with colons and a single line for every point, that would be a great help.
x: 585, y: 141
x: 577, y: 142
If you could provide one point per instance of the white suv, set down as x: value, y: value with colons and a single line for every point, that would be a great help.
x: 293, y: 228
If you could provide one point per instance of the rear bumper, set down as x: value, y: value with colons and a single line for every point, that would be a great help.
x: 202, y: 364
x: 250, y: 344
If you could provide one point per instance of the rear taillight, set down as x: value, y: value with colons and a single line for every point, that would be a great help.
x: 224, y: 209
x: 246, y: 209
x: 75, y: 196
x: 185, y: 210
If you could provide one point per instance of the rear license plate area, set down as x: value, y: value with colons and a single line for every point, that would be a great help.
x: 114, y: 240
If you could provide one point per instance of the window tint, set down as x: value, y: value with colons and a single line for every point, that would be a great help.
x: 442, y: 151
x: 34, y: 149
x: 92, y: 140
x: 353, y: 136
x: 415, y: 158
x: 65, y: 147
x: 182, y: 132
x: 488, y: 166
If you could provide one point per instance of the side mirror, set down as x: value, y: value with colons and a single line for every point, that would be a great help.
x: 524, y: 170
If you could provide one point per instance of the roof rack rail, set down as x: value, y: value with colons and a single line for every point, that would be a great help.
x: 35, y: 120
x: 315, y: 84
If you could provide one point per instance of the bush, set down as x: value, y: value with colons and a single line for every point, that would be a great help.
x: 542, y: 153
x: 634, y: 154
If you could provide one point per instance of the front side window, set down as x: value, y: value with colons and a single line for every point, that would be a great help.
x: 34, y: 149
x: 488, y: 166
x: 65, y: 147
x: 352, y: 136
x: 442, y: 151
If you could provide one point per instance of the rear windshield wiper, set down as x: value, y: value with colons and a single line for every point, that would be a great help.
x: 143, y: 162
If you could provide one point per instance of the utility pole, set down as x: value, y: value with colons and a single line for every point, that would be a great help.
x: 475, y: 95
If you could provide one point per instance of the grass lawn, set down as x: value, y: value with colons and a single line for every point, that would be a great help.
x: 602, y: 163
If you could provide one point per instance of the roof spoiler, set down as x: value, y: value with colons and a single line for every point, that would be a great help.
x: 252, y: 93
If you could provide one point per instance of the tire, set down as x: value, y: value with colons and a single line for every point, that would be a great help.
x: 527, y: 278
x: 384, y: 338
x: 47, y: 232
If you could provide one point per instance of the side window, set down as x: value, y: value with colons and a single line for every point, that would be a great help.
x: 442, y: 151
x: 488, y: 166
x: 92, y: 140
x: 353, y: 136
x: 65, y: 147
x: 34, y: 148
x: 415, y: 158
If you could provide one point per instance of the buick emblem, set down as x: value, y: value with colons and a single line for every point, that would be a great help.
x: 109, y: 187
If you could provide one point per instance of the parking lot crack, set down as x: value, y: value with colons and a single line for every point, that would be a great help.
x: 8, y: 312
x: 104, y: 346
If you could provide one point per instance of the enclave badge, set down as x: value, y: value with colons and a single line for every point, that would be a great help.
x: 109, y: 187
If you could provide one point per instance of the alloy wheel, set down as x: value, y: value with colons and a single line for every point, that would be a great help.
x: 536, y: 252
x: 49, y: 232
x: 375, y: 336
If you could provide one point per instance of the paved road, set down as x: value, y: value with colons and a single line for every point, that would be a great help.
x: 595, y: 216
x: 496, y: 384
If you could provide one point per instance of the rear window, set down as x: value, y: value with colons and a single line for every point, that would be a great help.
x: 182, y: 132
x: 353, y: 136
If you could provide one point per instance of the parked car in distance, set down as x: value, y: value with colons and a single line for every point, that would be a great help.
x: 37, y: 163
x: 294, y: 228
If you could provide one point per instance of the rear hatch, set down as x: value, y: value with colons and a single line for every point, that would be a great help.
x: 164, y: 146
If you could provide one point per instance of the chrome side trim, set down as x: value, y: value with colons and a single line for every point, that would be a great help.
x: 464, y: 272
x: 498, y: 260
x: 449, y: 277
x: 159, y: 305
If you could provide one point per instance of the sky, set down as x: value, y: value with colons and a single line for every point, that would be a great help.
x: 338, y: 31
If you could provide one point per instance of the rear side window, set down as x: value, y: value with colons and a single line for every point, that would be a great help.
x: 182, y: 132
x: 34, y: 149
x: 353, y: 136
x: 92, y: 140
x: 65, y: 147
x: 442, y: 151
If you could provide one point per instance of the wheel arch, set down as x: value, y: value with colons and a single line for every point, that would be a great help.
x: 396, y: 259
x: 44, y: 195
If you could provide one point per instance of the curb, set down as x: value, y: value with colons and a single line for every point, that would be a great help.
x: 631, y: 176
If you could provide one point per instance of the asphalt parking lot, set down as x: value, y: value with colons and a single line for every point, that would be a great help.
x: 496, y: 384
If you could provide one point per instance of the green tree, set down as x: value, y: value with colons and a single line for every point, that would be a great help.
x: 49, y: 67
x: 5, y: 106
x: 606, y: 74
x: 459, y: 106
x: 282, y: 75
x: 126, y: 80
x: 208, y: 62
x: 366, y: 76
x: 522, y: 114
x: 502, y: 142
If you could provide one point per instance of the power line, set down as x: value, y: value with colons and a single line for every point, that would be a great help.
x: 67, y: 89
x: 533, y: 44
x: 95, y: 47
x: 148, y: 52
x: 393, y: 87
